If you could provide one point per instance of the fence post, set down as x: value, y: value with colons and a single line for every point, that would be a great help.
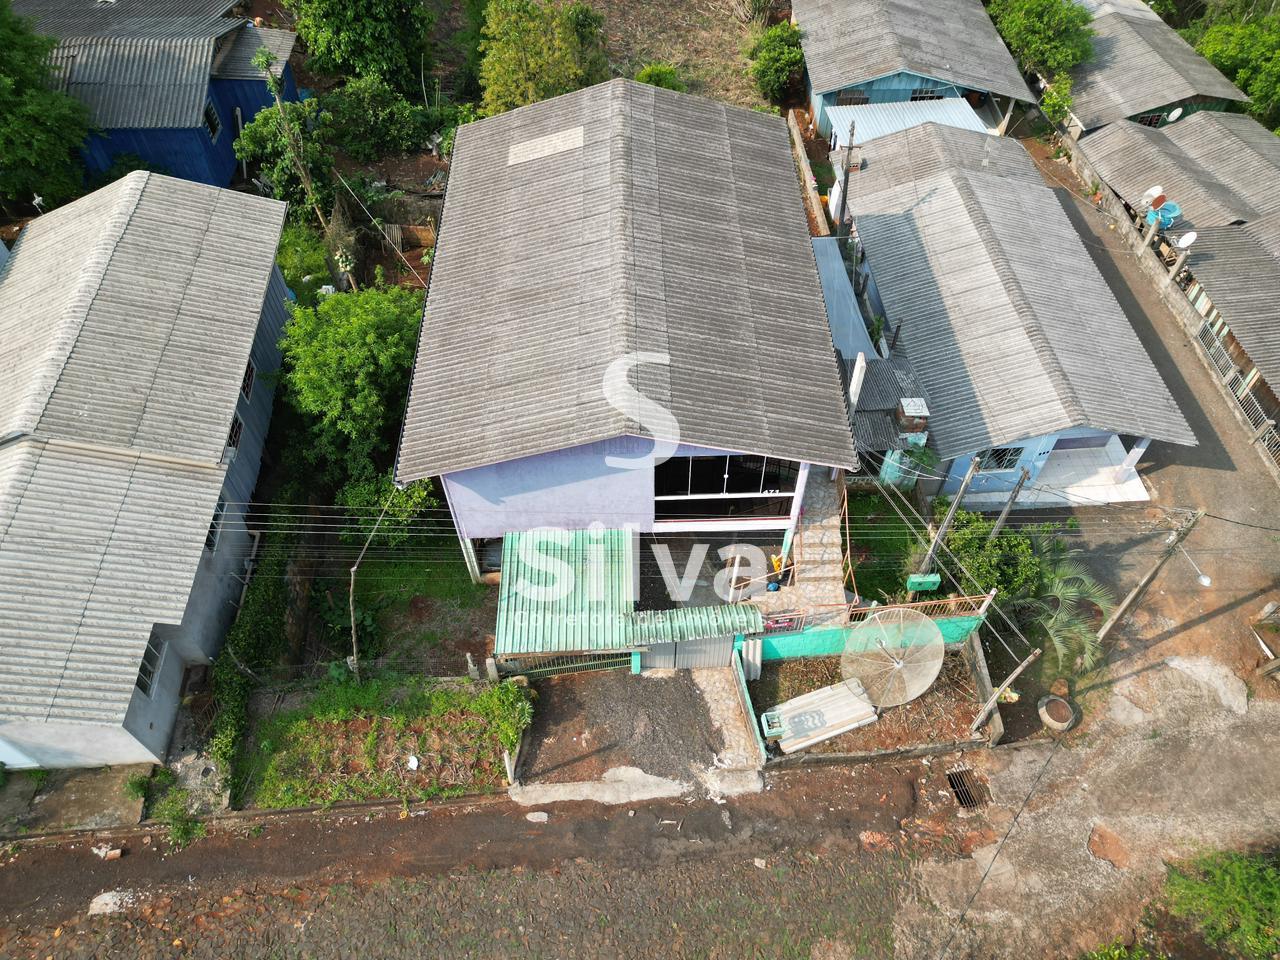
x: 982, y: 610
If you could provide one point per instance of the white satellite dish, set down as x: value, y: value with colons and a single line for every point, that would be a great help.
x: 1187, y: 239
x: 1151, y: 194
x: 895, y: 654
x: 1174, y: 114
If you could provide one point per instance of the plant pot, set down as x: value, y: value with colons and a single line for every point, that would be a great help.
x: 1057, y: 713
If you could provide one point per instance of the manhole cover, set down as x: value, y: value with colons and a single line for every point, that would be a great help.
x: 970, y: 792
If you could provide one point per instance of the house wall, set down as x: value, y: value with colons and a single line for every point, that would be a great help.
x: 1035, y: 451
x: 56, y: 744
x: 894, y: 88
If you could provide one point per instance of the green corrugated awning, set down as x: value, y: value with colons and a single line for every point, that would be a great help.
x: 575, y: 592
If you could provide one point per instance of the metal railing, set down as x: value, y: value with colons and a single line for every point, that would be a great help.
x: 1235, y: 381
x: 969, y: 606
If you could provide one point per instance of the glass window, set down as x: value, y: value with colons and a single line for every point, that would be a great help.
x: 707, y: 474
x: 150, y: 665
x: 246, y: 385
x: 1000, y: 458
x: 780, y: 476
x: 926, y: 93
x: 746, y: 474
x: 212, y: 122
x: 725, y: 508
x: 852, y: 98
x: 671, y: 478
x: 237, y: 428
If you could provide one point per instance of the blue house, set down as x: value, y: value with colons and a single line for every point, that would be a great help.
x: 173, y: 88
x: 860, y: 52
x: 1016, y: 345
x: 138, y: 341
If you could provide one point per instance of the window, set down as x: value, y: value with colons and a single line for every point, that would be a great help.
x: 926, y: 93
x: 212, y: 122
x: 852, y: 98
x: 215, y: 528
x: 150, y: 666
x: 723, y: 508
x: 725, y: 475
x: 1151, y: 119
x: 246, y: 385
x: 1000, y: 458
x: 237, y: 428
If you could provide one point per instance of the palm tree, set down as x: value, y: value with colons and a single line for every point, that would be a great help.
x: 1064, y: 607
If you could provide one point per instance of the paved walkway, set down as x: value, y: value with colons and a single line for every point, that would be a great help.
x: 818, y: 586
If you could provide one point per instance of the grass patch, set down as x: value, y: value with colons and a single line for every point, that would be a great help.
x: 1118, y: 951
x: 353, y: 741
x: 825, y: 175
x: 390, y: 585
x: 1234, y: 899
x: 879, y: 544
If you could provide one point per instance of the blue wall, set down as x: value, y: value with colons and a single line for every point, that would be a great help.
x: 190, y: 153
x: 894, y: 88
x: 1035, y: 451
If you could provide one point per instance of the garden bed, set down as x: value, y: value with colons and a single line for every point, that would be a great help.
x: 941, y: 715
x: 394, y: 737
x: 879, y: 545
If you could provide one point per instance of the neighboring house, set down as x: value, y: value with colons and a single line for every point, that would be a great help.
x: 1141, y: 70
x: 1223, y: 171
x: 1025, y: 357
x: 138, y: 339
x: 657, y: 280
x: 163, y: 82
x: 908, y: 52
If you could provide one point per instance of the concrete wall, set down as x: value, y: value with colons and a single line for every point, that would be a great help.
x: 1035, y: 451
x: 54, y: 745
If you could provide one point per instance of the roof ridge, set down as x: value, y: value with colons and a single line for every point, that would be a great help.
x: 71, y: 323
x: 1022, y: 304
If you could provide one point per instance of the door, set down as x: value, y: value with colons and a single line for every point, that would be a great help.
x: 687, y: 654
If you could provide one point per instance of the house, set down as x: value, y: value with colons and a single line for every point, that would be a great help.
x: 172, y: 84
x: 1141, y: 70
x: 905, y: 52
x: 138, y: 332
x: 656, y: 282
x: 1223, y: 172
x: 1025, y: 358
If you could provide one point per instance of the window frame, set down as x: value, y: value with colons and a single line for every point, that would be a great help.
x: 212, y: 538
x: 1151, y: 120
x: 919, y: 94
x: 788, y: 471
x: 852, y: 97
x: 236, y: 433
x: 247, y: 381
x: 156, y: 647
x: 214, y: 127
x: 993, y: 458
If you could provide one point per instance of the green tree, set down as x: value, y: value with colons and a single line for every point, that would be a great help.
x: 1248, y: 53
x: 661, y: 75
x: 41, y: 129
x: 290, y: 146
x: 1048, y: 37
x: 467, y: 40
x: 348, y: 362
x: 388, y: 39
x: 533, y: 50
x: 1056, y: 101
x: 778, y: 62
x: 365, y: 499
x: 368, y: 119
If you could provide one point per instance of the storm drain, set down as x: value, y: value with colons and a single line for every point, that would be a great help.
x: 970, y: 792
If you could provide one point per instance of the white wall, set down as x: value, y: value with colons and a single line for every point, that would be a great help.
x: 56, y: 744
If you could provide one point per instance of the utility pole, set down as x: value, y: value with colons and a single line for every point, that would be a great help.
x: 1004, y: 514
x: 951, y: 512
x: 1171, y: 546
x: 844, y: 186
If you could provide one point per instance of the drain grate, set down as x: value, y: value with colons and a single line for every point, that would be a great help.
x: 971, y: 793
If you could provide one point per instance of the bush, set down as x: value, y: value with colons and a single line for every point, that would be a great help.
x: 364, y: 500
x: 174, y: 811
x: 369, y: 120
x: 135, y: 788
x: 1233, y: 898
x: 265, y: 142
x: 778, y: 62
x: 535, y: 49
x: 304, y: 262
x: 661, y: 75
x: 1056, y: 101
x: 1048, y: 37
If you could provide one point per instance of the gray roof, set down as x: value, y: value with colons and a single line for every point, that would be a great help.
x: 147, y: 63
x: 1239, y: 267
x: 847, y: 42
x: 619, y: 219
x: 126, y: 321
x: 875, y: 422
x: 1005, y: 319
x: 1140, y: 63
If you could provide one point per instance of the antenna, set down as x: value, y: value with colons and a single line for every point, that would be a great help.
x: 1187, y: 239
x: 895, y: 653
x: 1174, y: 114
x: 1151, y: 195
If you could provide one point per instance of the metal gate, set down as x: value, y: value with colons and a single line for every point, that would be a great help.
x: 708, y: 652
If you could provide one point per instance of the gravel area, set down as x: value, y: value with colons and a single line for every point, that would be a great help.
x: 587, y: 723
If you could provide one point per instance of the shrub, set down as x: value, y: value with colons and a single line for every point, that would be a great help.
x: 303, y: 262
x: 365, y: 499
x: 534, y: 49
x: 135, y: 788
x: 174, y: 811
x: 370, y: 119
x: 389, y: 39
x: 1233, y: 898
x: 265, y: 141
x: 1056, y: 101
x: 1048, y: 37
x: 661, y: 75
x: 778, y: 62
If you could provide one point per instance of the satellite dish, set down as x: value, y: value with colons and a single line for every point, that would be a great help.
x: 1174, y: 114
x: 1187, y: 239
x: 1152, y: 194
x: 895, y: 653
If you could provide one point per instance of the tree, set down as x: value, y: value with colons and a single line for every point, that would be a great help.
x: 661, y: 75
x: 1249, y: 55
x: 348, y: 362
x: 290, y: 146
x: 1048, y: 37
x: 778, y: 62
x: 533, y: 50
x: 388, y: 39
x: 41, y: 129
x: 1056, y: 101
x: 365, y: 500
x: 370, y: 119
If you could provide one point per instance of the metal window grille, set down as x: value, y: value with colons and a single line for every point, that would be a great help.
x: 852, y: 98
x: 1000, y: 458
x: 246, y: 385
x: 1151, y: 119
x: 212, y: 122
x: 926, y: 93
x: 215, y: 528
x: 237, y: 428
x: 150, y: 665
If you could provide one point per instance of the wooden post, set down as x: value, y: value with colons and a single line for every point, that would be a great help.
x: 1133, y: 594
x: 1004, y: 514
x: 995, y: 697
x: 927, y: 563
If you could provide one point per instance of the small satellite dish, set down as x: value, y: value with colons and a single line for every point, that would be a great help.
x: 1187, y: 239
x: 1151, y: 194
x: 1174, y: 114
x: 895, y: 654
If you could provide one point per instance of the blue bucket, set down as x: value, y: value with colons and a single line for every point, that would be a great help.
x: 1168, y: 215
